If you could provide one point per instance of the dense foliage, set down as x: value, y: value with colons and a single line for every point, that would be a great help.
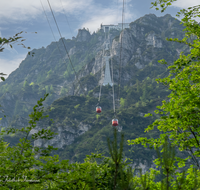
x: 24, y: 166
x: 179, y: 116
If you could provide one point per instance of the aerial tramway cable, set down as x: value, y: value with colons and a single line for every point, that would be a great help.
x: 66, y: 17
x: 120, y: 65
x: 101, y: 71
x: 65, y: 47
x: 55, y: 39
x: 98, y: 108
x: 115, y: 121
x: 113, y: 86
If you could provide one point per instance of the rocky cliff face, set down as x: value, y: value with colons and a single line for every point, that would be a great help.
x: 143, y: 44
x: 83, y: 35
x: 66, y: 135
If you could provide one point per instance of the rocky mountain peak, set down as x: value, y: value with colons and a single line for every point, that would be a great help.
x: 83, y: 35
x: 76, y: 122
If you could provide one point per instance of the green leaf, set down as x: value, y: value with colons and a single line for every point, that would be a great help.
x: 2, y: 78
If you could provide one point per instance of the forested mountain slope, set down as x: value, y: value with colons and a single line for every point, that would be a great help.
x: 80, y: 130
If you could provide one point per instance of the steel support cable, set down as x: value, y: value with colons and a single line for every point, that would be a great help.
x: 112, y: 80
x: 101, y: 71
x: 55, y: 39
x: 100, y: 93
x: 66, y: 17
x: 113, y: 91
x: 119, y: 80
x: 125, y: 7
x: 118, y: 10
x: 113, y: 86
x: 65, y: 47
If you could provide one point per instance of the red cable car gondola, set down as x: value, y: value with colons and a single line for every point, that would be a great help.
x: 98, y: 109
x: 115, y: 122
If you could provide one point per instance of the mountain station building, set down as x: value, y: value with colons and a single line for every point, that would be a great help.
x: 106, y: 28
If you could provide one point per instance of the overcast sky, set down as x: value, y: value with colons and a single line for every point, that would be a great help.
x: 28, y: 16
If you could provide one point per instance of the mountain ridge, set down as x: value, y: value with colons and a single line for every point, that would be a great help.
x: 80, y: 129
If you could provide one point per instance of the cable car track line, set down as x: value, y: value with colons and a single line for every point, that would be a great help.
x: 120, y: 65
x: 115, y: 121
x: 101, y: 71
x: 66, y: 17
x: 65, y: 47
x: 55, y: 40
x: 113, y: 87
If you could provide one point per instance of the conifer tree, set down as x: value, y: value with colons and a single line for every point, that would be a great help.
x: 121, y: 175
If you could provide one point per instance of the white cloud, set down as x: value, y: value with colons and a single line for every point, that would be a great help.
x: 184, y: 4
x: 105, y: 17
x: 88, y: 12
x: 7, y: 66
x: 22, y: 10
x: 111, y: 15
x: 11, y: 50
x: 92, y: 14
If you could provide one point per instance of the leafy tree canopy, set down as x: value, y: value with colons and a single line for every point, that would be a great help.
x: 179, y: 115
x: 17, y: 38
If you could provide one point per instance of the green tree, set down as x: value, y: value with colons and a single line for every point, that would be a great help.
x: 10, y: 41
x: 63, y: 91
x: 144, y: 88
x: 77, y: 106
x: 49, y: 73
x: 122, y: 102
x: 179, y: 115
x: 17, y: 107
x: 26, y: 87
x: 21, y: 160
x: 25, y: 84
x: 138, y: 85
x: 51, y: 89
x: 47, y: 89
x: 121, y: 177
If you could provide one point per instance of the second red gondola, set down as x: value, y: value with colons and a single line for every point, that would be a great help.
x: 115, y: 122
x: 98, y: 109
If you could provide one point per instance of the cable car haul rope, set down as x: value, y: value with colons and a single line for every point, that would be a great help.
x: 65, y: 47
x: 98, y: 108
